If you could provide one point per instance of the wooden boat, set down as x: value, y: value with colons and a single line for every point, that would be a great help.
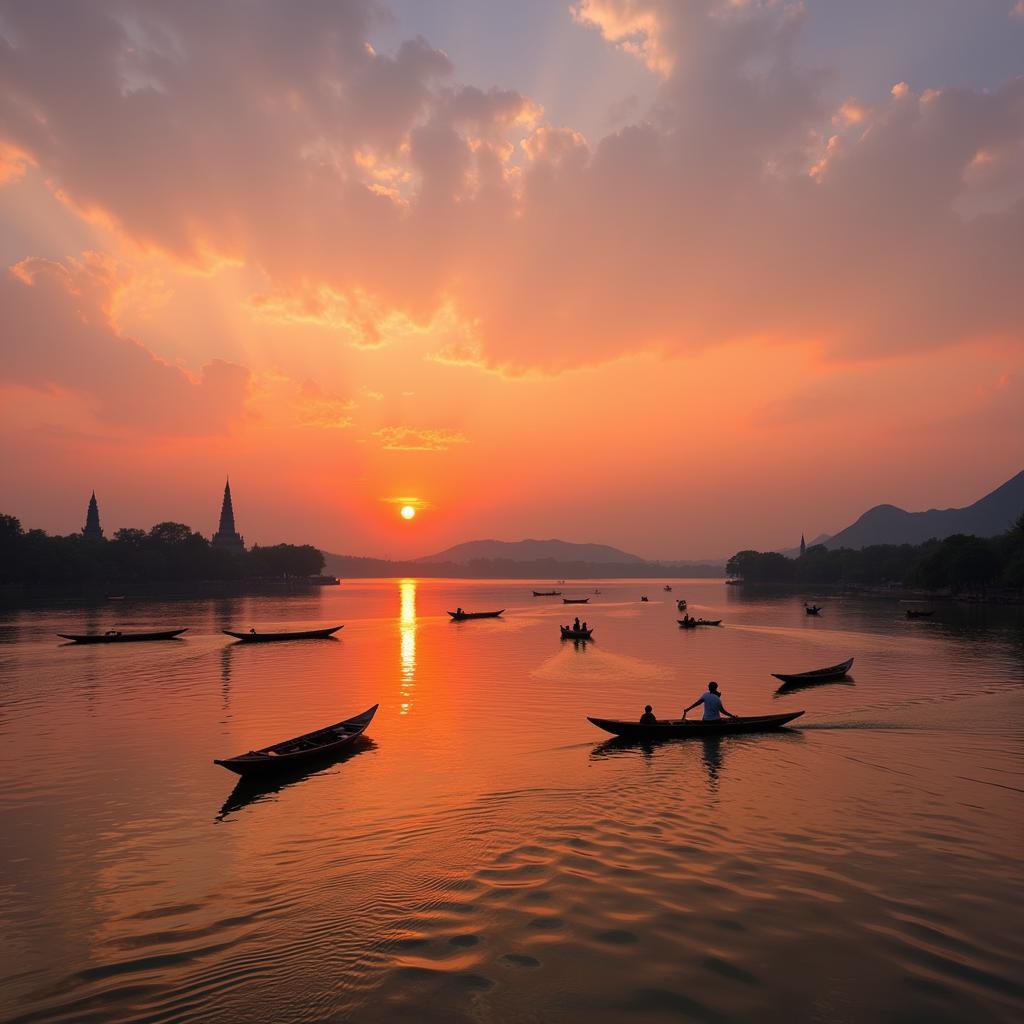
x: 301, y: 750
x: 460, y: 616
x: 681, y: 604
x: 694, y: 623
x: 913, y: 614
x: 114, y: 636
x: 575, y: 600
x: 576, y: 634
x: 818, y: 675
x: 688, y: 728
x: 668, y: 588
x: 643, y: 599
x: 812, y: 609
x: 252, y: 637
x: 547, y: 593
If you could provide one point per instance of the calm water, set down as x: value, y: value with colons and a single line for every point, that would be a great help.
x: 487, y: 857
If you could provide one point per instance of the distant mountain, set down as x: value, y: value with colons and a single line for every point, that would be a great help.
x: 532, y: 551
x: 887, y: 524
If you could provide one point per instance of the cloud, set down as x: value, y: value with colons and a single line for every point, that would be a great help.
x: 367, y: 186
x: 58, y: 338
x: 418, y: 439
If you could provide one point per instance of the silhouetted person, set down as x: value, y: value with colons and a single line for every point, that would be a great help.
x: 713, y: 707
x: 576, y: 624
x: 458, y: 611
x: 253, y: 630
x: 583, y: 628
x: 647, y: 718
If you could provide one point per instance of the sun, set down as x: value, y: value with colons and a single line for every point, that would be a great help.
x: 407, y: 512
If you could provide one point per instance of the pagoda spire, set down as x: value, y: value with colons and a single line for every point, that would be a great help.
x: 92, y: 529
x: 803, y: 546
x: 227, y: 536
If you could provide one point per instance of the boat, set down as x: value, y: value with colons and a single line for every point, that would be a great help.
x: 681, y: 604
x: 687, y: 728
x: 115, y: 636
x: 252, y: 637
x: 115, y: 597
x: 459, y: 616
x: 922, y: 614
x: 547, y: 593
x: 301, y: 750
x: 576, y: 634
x: 668, y: 588
x: 643, y: 599
x: 812, y: 609
x: 575, y: 600
x: 818, y: 675
x: 694, y: 623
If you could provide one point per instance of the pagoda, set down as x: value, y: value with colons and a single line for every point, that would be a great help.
x: 226, y: 536
x: 92, y: 529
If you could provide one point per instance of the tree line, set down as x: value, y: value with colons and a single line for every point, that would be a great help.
x: 169, y: 552
x: 958, y: 563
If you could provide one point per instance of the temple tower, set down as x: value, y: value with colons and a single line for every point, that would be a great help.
x: 803, y: 546
x: 226, y: 535
x: 92, y: 529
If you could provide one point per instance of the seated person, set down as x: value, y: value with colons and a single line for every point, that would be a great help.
x: 647, y: 718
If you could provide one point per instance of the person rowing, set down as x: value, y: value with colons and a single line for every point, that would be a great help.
x: 647, y: 718
x: 713, y: 706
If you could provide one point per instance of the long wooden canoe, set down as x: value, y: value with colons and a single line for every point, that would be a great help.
x: 301, y: 750
x: 547, y: 593
x: 576, y: 634
x: 117, y: 637
x: 460, y: 616
x: 818, y: 675
x: 575, y: 600
x: 680, y: 729
x: 252, y: 637
x: 912, y: 614
x: 694, y: 623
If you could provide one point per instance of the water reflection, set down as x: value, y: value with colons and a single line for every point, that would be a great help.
x: 254, y: 791
x: 407, y: 643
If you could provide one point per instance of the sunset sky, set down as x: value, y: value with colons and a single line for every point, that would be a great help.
x: 681, y: 276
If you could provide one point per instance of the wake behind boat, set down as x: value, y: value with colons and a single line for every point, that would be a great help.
x: 686, y: 728
x: 459, y: 615
x: 830, y: 674
x: 301, y: 750
x: 252, y: 637
x: 115, y: 636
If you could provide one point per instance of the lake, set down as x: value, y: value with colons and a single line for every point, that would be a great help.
x: 486, y: 855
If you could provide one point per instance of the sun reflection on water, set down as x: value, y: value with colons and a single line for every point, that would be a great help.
x: 407, y: 643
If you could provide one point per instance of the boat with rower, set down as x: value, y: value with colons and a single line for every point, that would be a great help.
x: 568, y: 633
x: 460, y: 615
x: 694, y: 623
x: 302, y: 750
x: 812, y: 609
x: 252, y: 637
x: 830, y: 674
x: 691, y: 728
x: 115, y: 636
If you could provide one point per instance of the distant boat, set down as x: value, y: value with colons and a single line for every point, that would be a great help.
x: 922, y: 614
x: 681, y: 604
x: 301, y: 750
x: 114, y: 636
x: 252, y: 637
x: 733, y: 583
x: 694, y: 623
x: 667, y: 587
x: 115, y: 597
x: 812, y: 609
x: 678, y: 729
x: 575, y: 600
x: 459, y: 616
x: 547, y: 593
x: 831, y: 674
x: 576, y: 634
x: 643, y: 598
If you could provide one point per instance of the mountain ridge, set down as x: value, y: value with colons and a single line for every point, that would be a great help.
x: 531, y: 550
x: 990, y: 515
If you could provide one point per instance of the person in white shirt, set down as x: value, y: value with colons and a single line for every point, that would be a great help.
x: 713, y: 706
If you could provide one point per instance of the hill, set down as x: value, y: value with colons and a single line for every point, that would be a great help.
x: 532, y: 551
x: 887, y: 524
